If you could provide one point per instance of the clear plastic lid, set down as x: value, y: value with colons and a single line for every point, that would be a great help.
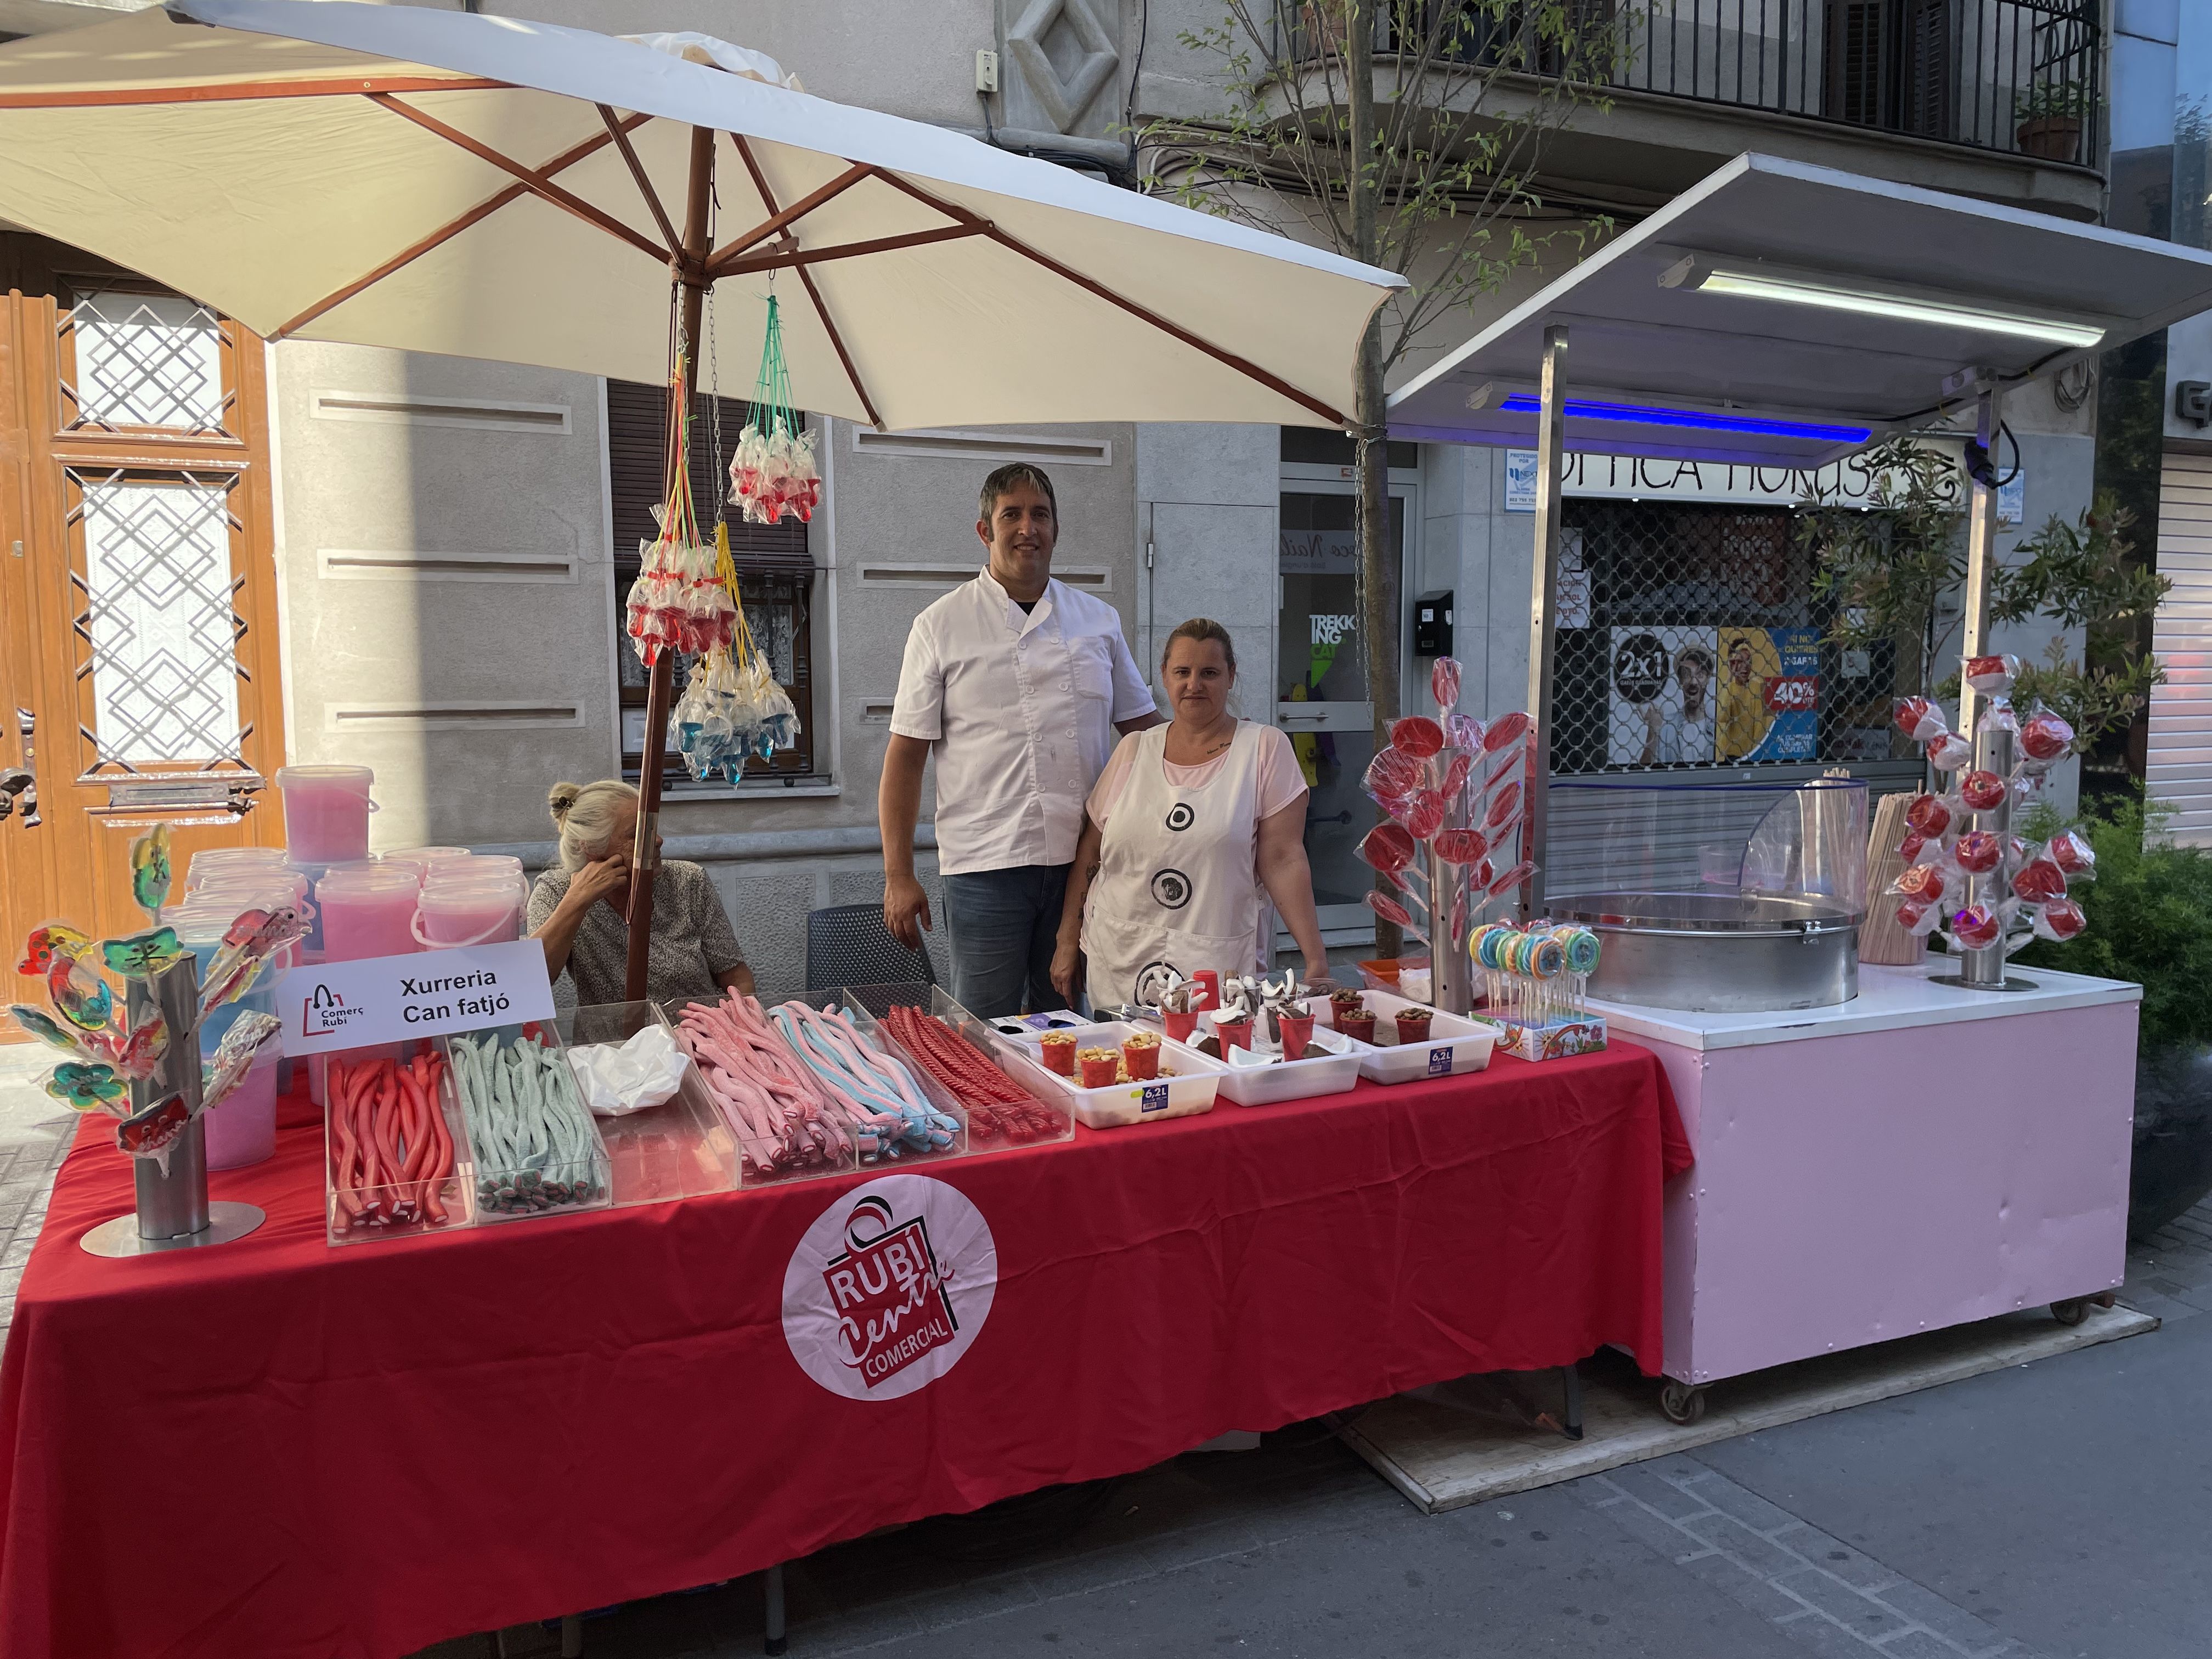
x: 356, y: 778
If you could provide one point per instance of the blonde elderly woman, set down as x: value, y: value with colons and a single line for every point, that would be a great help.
x: 579, y: 911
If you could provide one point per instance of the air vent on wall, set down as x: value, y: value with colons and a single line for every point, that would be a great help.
x: 346, y: 563
x: 409, y: 409
x: 951, y: 575
x: 1042, y: 447
x: 363, y: 717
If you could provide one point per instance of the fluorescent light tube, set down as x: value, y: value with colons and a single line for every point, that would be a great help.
x: 1702, y: 420
x: 1753, y: 281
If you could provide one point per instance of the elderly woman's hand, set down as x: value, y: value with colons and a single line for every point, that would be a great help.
x: 608, y: 877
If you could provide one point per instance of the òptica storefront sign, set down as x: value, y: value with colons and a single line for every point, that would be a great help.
x: 1851, y: 482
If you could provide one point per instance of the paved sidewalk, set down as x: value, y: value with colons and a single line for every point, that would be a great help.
x: 34, y: 1132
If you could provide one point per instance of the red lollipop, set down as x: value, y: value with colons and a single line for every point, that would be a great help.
x: 1455, y: 771
x: 1464, y: 730
x: 1918, y: 915
x: 1503, y: 805
x: 1982, y: 791
x: 2044, y: 737
x: 1978, y: 852
x: 2072, y: 853
x: 1484, y: 874
x: 1909, y: 848
x: 1389, y: 910
x: 1512, y: 878
x: 1443, y: 682
x: 1387, y: 847
x: 2059, y: 920
x: 1922, y: 881
x: 1426, y: 815
x: 1993, y: 674
x: 1976, y: 925
x: 1460, y: 847
x: 1416, y: 735
x: 2039, y: 881
x: 1505, y: 730
x: 1920, y: 720
x: 1392, y: 775
x: 1948, y: 751
x: 1928, y: 814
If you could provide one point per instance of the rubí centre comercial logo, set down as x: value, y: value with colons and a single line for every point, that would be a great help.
x: 888, y: 1287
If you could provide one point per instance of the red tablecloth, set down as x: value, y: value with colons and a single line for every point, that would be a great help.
x: 279, y: 1448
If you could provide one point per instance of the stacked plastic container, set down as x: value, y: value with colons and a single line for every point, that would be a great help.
x: 469, y: 899
x: 220, y: 885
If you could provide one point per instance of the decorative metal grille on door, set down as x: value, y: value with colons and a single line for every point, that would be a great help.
x: 1691, y: 636
x: 144, y: 359
x: 157, y: 623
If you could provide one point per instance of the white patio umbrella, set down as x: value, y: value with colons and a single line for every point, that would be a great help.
x: 489, y: 187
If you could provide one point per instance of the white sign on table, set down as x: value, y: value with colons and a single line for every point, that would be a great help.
x: 332, y: 1006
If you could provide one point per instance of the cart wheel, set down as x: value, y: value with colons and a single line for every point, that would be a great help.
x: 2072, y: 1311
x: 1682, y: 1403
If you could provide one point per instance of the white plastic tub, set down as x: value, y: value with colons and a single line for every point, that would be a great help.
x: 1331, y: 1066
x: 1189, y: 1092
x: 1455, y: 1043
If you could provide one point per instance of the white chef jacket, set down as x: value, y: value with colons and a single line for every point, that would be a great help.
x: 1020, y: 710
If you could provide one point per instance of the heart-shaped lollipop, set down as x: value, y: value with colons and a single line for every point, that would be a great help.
x: 1424, y: 816
x: 1387, y: 847
x: 1460, y: 847
x: 1504, y: 731
x: 1443, y: 682
x: 1416, y: 735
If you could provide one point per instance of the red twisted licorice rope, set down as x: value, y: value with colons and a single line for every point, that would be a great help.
x: 998, y: 1107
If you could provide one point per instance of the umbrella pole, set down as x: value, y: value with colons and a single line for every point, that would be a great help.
x: 645, y: 857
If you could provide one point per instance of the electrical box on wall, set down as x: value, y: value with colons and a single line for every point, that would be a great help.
x: 1432, y: 624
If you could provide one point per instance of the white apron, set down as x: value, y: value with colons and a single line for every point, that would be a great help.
x: 1178, y: 884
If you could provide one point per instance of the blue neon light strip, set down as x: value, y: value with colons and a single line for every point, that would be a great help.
x: 1523, y: 403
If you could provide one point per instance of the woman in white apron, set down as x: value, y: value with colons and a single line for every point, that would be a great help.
x: 1185, y: 827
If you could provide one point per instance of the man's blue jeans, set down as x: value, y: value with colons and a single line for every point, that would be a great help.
x: 1003, y: 925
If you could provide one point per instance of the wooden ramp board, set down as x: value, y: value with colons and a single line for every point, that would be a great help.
x: 1480, y: 1437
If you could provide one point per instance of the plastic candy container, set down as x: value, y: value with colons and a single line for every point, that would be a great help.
x: 1992, y: 674
x: 1982, y: 791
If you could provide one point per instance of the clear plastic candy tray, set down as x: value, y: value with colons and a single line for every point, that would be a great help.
x: 1331, y: 1066
x: 1189, y: 1091
x: 680, y: 1148
x: 355, y: 1215
x: 1049, y: 1116
x: 568, y: 1186
x: 1456, y: 1044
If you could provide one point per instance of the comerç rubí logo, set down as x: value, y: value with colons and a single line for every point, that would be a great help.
x: 888, y: 1287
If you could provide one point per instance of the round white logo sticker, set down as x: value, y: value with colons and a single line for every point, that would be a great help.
x: 889, y: 1286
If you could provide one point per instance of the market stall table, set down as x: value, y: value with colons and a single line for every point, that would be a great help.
x: 280, y: 1449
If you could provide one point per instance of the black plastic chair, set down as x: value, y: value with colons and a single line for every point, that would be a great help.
x: 848, y: 944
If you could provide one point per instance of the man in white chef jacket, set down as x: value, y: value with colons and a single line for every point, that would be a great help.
x: 1017, y: 683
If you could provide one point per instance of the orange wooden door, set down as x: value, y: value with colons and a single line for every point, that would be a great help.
x: 138, y: 655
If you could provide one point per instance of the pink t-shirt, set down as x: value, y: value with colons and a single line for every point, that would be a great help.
x: 1281, y: 782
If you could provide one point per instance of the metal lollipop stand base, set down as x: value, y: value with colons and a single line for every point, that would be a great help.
x: 174, y: 1212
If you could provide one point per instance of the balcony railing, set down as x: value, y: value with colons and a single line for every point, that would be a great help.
x: 2017, y: 77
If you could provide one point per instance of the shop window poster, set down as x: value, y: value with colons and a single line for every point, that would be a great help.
x: 1660, y: 697
x: 1769, y: 698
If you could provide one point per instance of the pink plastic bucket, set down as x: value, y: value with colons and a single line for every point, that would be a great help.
x: 241, y: 1129
x: 366, y: 915
x: 327, y: 812
x: 451, y: 913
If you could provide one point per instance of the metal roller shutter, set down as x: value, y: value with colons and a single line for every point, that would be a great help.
x: 2180, y: 759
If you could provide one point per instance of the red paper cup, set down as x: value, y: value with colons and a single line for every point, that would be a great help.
x: 1234, y: 1033
x: 1143, y: 1059
x: 1211, y: 983
x: 1296, y: 1033
x: 1059, y: 1055
x: 1179, y: 1025
x: 1360, y: 1027
x: 1413, y: 1027
x: 1102, y: 1074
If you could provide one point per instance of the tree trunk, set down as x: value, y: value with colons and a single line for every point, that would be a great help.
x: 1379, y: 564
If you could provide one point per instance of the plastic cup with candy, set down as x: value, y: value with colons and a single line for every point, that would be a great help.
x: 1949, y: 751
x: 1976, y: 926
x: 1921, y: 719
x: 2070, y: 851
x: 1992, y: 674
x: 2045, y: 738
x: 1982, y: 790
x: 1978, y: 852
x: 2059, y: 920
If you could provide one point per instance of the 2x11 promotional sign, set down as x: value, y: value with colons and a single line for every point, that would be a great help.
x: 332, y: 1006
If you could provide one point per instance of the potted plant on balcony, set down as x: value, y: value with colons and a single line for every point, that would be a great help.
x: 2151, y: 920
x: 2051, y: 115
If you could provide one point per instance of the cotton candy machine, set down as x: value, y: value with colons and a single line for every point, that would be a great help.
x: 1725, y: 898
